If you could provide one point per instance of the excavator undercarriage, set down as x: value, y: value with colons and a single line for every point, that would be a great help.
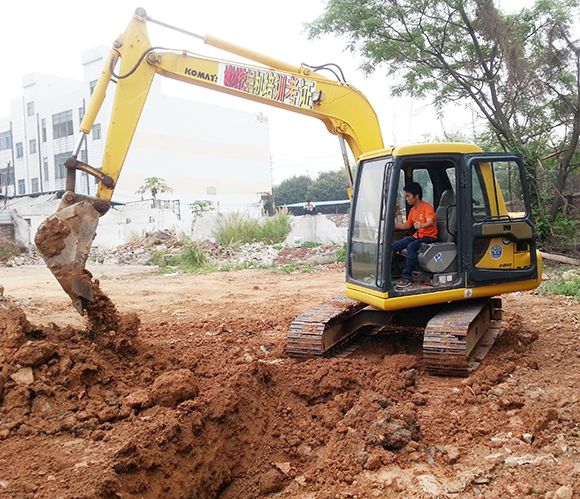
x: 457, y: 335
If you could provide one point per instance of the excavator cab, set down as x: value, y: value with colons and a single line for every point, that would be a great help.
x: 485, y: 247
x: 485, y: 241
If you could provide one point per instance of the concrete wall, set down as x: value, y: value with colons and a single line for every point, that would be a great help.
x: 315, y: 229
x: 128, y: 222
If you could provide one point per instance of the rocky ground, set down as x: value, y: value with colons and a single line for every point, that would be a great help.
x: 193, y: 396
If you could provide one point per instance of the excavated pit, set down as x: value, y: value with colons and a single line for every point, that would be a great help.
x: 189, y: 394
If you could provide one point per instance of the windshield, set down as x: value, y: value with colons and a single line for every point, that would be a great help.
x: 366, y: 236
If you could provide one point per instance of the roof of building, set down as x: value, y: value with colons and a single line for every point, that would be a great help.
x: 318, y: 203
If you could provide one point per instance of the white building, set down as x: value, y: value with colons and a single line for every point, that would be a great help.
x: 204, y: 152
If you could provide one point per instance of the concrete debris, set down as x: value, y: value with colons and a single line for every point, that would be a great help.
x: 563, y: 493
x: 142, y: 252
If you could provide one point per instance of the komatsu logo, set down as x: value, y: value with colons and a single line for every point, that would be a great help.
x: 201, y: 75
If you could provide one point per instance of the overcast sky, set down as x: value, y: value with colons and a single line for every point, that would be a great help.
x: 47, y: 36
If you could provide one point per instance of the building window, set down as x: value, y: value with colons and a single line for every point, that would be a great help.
x: 5, y: 141
x: 6, y: 177
x: 81, y: 113
x: 97, y: 131
x: 19, y: 150
x: 34, y: 186
x: 62, y: 124
x: 30, y: 108
x: 92, y: 86
x: 21, y: 187
x: 43, y: 128
x: 32, y: 146
x: 83, y: 158
x: 59, y: 168
x: 45, y: 169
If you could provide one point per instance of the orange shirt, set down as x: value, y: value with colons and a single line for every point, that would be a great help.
x: 421, y: 215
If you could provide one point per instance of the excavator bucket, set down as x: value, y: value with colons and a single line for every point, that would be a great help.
x: 64, y: 240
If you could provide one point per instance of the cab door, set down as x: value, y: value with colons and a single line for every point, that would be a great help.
x: 498, y: 231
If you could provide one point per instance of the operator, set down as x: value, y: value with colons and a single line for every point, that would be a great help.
x: 310, y: 209
x: 422, y: 218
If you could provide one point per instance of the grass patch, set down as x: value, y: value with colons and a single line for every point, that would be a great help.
x: 566, y: 282
x: 341, y: 254
x: 295, y: 268
x: 311, y: 245
x: 234, y: 230
x: 191, y: 258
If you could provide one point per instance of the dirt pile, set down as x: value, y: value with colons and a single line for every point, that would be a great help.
x: 193, y: 396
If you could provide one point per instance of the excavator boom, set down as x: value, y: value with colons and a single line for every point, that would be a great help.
x: 65, y: 238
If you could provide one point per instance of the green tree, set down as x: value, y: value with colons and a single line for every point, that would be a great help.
x: 519, y: 71
x: 292, y: 190
x: 329, y: 186
x: 201, y: 205
x: 154, y: 185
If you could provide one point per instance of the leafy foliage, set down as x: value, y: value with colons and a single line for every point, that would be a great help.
x: 328, y: 186
x: 560, y: 236
x: 341, y: 254
x: 519, y: 71
x: 292, y: 190
x: 154, y: 185
x: 201, y: 205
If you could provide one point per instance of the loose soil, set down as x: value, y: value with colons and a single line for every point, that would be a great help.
x: 192, y: 396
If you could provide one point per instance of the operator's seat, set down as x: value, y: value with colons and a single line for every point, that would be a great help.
x: 441, y: 256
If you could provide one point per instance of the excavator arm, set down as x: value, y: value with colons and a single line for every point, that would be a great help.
x: 65, y: 238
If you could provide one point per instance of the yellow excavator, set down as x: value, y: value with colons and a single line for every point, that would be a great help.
x: 485, y: 244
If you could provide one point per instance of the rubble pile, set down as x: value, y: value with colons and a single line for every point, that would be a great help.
x: 320, y: 255
x: 140, y: 251
x: 340, y: 220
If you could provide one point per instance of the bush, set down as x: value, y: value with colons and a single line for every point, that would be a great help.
x: 191, y: 257
x: 562, y: 236
x: 8, y: 249
x: 234, y: 229
x: 341, y: 254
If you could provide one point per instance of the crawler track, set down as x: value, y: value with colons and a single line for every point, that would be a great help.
x: 322, y: 330
x: 457, y: 335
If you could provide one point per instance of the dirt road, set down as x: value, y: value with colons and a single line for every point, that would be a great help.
x: 193, y: 397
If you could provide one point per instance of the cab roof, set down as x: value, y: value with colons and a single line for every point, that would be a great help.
x: 427, y: 148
